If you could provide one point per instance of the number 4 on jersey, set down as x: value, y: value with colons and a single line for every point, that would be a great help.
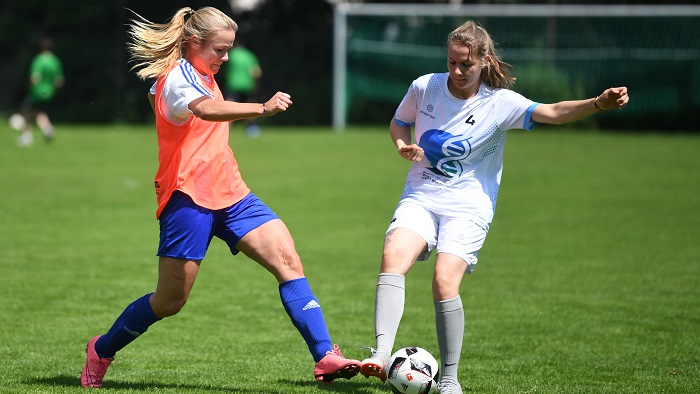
x: 470, y: 120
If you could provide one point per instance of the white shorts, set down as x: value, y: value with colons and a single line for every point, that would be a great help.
x: 455, y: 235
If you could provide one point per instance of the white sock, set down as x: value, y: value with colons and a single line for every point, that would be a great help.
x: 388, y: 310
x: 449, y: 324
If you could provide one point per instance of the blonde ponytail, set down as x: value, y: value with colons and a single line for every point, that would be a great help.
x: 155, y: 47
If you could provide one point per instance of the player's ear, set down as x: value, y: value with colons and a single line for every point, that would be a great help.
x: 195, y: 42
x: 486, y: 60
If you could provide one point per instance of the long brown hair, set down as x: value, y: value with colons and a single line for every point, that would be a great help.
x: 155, y: 47
x: 496, y: 73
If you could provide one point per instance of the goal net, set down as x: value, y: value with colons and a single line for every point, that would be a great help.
x: 558, y: 52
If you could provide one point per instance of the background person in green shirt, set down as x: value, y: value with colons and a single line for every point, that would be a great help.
x: 45, y: 77
x: 242, y: 76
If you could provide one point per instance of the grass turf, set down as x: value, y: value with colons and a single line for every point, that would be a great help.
x: 589, y: 281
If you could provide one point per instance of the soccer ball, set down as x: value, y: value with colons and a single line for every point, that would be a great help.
x: 412, y: 370
x: 17, y: 122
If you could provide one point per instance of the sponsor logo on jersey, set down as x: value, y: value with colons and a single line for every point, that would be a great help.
x: 427, y: 114
x: 445, y: 151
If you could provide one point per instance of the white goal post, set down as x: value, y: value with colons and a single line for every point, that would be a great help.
x: 343, y: 10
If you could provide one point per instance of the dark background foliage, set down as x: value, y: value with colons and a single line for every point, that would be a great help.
x: 292, y: 38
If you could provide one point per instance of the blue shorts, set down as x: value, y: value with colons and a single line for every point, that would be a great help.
x: 186, y: 229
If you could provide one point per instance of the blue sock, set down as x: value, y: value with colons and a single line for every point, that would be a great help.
x: 133, y: 322
x: 305, y: 312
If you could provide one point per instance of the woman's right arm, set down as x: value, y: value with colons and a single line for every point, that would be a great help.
x: 225, y: 111
x: 401, y: 137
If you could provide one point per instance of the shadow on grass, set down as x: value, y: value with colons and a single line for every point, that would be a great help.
x: 356, y: 386
x: 69, y: 381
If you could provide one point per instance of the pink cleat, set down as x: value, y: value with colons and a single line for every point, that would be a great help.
x: 335, y: 366
x: 95, y: 367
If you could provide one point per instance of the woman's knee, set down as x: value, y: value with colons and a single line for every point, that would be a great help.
x: 397, y: 260
x: 166, y: 308
x: 391, y: 253
x: 287, y: 265
x: 445, y: 285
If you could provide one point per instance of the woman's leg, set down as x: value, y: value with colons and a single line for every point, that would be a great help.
x: 175, y: 280
x: 402, y: 247
x: 271, y: 246
x: 449, y: 317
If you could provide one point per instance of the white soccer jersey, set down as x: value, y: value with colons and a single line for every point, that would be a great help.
x: 463, y: 141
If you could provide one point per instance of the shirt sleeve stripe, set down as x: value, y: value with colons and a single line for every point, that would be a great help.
x: 528, y: 124
x: 191, y: 77
x: 402, y: 123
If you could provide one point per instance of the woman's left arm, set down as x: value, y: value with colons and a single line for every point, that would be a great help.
x: 571, y: 111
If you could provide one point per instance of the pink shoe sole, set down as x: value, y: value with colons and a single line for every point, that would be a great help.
x: 371, y: 369
x: 345, y: 372
x: 335, y: 366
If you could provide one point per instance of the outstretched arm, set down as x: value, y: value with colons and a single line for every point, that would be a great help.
x: 224, y: 111
x: 401, y: 137
x: 571, y: 111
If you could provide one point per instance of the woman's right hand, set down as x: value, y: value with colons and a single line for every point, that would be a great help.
x: 411, y: 152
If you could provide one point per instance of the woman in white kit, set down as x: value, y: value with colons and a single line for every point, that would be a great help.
x: 460, y: 119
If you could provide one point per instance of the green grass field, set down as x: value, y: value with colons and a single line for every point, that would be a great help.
x: 589, y: 281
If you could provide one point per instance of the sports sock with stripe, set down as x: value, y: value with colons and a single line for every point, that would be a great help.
x: 133, y: 322
x: 388, y: 310
x: 449, y: 324
x: 306, y: 315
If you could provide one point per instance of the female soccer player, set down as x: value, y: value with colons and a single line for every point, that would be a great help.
x: 459, y: 120
x: 200, y: 191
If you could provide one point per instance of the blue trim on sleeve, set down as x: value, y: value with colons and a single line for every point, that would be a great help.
x: 528, y: 124
x: 402, y: 123
x: 190, y: 76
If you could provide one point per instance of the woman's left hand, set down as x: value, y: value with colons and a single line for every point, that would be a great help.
x: 613, y: 98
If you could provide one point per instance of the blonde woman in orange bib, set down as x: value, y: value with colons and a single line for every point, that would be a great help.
x: 200, y: 191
